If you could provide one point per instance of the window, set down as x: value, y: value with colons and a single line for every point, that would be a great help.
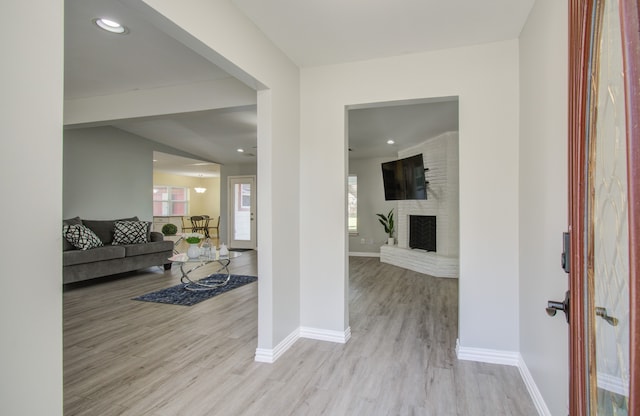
x: 170, y: 200
x: 243, y: 193
x: 352, y: 195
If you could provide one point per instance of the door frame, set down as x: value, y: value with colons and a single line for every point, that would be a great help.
x: 580, y: 28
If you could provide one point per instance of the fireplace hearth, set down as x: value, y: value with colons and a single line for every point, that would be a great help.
x: 422, y: 232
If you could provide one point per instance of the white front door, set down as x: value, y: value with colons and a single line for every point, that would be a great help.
x: 242, y: 211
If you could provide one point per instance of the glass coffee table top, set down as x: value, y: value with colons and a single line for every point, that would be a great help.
x: 197, y: 262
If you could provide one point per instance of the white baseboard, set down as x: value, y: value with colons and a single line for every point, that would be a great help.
x: 487, y: 356
x: 512, y: 358
x: 363, y: 254
x: 265, y: 355
x: 325, y: 334
x: 534, y: 392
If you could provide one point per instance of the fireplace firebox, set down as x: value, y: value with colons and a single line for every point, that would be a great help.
x: 422, y: 232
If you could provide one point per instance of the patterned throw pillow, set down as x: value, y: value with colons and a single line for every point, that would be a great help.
x: 80, y: 236
x: 130, y: 232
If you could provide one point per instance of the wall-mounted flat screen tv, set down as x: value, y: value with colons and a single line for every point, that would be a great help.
x: 404, y: 179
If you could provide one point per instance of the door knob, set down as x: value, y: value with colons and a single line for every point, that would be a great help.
x: 553, y: 306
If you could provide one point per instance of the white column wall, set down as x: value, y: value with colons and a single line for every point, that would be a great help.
x: 31, y: 172
x: 218, y: 31
x: 485, y: 78
x: 543, y: 198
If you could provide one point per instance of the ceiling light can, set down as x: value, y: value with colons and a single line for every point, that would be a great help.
x: 110, y: 25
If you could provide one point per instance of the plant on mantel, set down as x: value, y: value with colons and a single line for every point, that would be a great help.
x: 388, y: 224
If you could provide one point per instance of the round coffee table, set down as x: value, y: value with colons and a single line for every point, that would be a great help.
x: 183, y: 260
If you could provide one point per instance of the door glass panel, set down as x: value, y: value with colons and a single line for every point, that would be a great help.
x: 608, y: 281
x: 242, y: 212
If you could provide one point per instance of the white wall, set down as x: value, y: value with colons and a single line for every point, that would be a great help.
x: 370, y: 202
x: 31, y: 171
x: 543, y: 198
x: 218, y: 31
x: 485, y: 78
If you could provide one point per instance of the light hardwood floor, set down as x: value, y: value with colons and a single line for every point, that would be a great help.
x: 125, y: 357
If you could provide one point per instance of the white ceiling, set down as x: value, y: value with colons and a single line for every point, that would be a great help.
x: 320, y: 32
x: 406, y: 123
x: 312, y: 32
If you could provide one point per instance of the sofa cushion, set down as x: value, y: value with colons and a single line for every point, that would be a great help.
x: 130, y: 232
x: 104, y: 228
x: 81, y: 237
x: 69, y: 258
x: 151, y: 247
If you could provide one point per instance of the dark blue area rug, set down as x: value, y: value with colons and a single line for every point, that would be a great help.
x: 178, y: 295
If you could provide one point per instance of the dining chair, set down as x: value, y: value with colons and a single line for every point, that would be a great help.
x: 198, y: 225
x: 206, y: 225
x: 185, y: 227
x: 214, y: 227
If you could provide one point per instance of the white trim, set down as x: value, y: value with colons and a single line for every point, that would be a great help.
x: 487, y: 356
x: 325, y: 334
x: 613, y: 384
x: 534, y: 392
x: 363, y: 254
x: 264, y: 355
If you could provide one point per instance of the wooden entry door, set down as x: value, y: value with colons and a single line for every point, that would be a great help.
x: 604, y: 202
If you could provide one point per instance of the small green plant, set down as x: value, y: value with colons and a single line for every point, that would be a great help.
x: 387, y: 222
x: 169, y: 229
x: 193, y: 238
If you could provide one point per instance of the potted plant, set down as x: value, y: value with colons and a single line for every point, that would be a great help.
x: 193, y: 240
x: 388, y: 224
x: 169, y: 229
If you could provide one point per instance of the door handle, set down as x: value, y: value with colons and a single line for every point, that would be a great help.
x: 602, y: 312
x: 553, y: 306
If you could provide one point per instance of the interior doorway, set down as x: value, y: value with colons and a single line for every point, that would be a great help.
x: 388, y: 131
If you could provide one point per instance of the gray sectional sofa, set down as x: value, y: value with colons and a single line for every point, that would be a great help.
x: 108, y: 259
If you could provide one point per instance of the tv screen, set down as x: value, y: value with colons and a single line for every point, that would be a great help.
x: 404, y: 179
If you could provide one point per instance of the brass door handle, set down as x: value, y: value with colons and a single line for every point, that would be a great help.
x: 602, y: 312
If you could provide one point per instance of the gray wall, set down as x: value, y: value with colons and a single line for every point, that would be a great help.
x: 108, y: 173
x: 370, y: 201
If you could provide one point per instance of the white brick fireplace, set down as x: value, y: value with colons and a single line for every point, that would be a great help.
x: 440, y: 156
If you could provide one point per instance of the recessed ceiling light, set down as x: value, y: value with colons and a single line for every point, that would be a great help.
x: 110, y: 26
x: 390, y: 141
x: 241, y: 150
